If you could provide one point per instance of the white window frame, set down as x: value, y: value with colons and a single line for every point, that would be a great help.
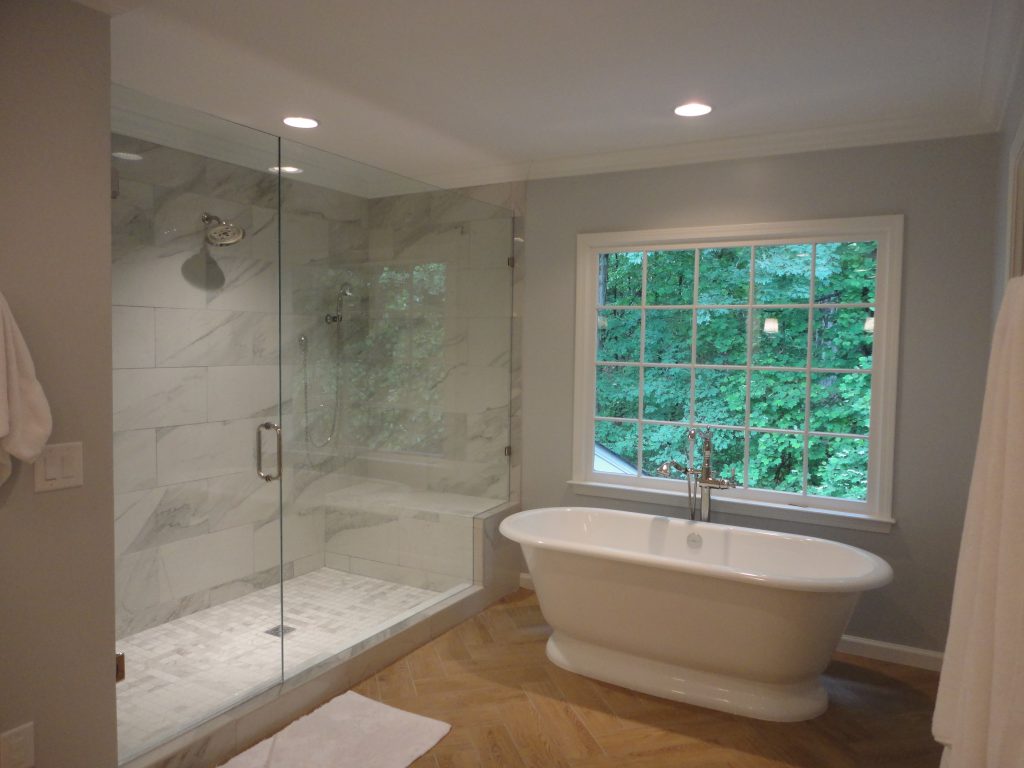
x: 875, y: 513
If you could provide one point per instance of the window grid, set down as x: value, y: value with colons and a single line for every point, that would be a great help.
x: 746, y: 429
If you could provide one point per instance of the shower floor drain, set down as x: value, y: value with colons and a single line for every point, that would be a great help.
x: 280, y: 630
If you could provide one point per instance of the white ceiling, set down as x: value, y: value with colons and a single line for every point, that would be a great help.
x: 460, y: 92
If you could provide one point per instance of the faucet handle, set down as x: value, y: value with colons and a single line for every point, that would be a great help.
x: 665, y: 470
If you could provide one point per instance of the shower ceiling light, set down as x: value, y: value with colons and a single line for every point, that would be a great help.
x: 692, y: 109
x: 284, y: 169
x: 301, y: 122
x: 126, y: 155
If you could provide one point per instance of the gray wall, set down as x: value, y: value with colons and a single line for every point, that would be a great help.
x: 56, y: 548
x: 1013, y: 122
x: 947, y: 191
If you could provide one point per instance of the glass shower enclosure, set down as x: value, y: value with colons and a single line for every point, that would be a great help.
x: 311, y: 405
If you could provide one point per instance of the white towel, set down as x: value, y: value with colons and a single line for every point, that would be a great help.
x: 979, y: 714
x: 25, y: 420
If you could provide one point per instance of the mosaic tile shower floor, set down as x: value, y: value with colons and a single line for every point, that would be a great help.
x: 188, y: 669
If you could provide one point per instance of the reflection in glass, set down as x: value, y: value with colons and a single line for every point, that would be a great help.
x: 840, y: 340
x: 786, y: 345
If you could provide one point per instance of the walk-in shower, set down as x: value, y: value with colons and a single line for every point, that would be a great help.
x: 365, y: 315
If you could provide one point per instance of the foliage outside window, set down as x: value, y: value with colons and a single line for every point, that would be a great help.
x: 780, y: 338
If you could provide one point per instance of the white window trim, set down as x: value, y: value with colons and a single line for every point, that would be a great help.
x: 873, y: 514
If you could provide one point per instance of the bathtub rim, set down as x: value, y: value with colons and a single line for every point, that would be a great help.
x: 879, y: 574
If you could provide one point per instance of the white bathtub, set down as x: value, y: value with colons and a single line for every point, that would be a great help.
x: 730, y: 618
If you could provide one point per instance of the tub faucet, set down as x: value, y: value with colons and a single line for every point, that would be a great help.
x: 703, y: 478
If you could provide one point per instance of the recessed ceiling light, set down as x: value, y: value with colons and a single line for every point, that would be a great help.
x: 285, y: 169
x: 126, y: 155
x: 692, y: 109
x: 301, y: 122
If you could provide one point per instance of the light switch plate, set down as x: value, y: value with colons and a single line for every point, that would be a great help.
x: 17, y: 747
x: 59, y: 466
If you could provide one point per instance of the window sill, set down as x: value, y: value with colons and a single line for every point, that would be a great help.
x: 720, y: 504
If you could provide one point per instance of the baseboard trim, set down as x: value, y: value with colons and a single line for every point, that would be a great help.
x: 895, y: 653
x: 526, y: 581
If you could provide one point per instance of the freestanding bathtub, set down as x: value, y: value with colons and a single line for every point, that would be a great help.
x: 735, y: 619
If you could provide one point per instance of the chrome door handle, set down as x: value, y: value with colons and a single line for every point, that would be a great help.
x: 259, y: 450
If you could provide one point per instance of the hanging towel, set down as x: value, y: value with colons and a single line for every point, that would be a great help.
x: 979, y: 713
x: 25, y: 420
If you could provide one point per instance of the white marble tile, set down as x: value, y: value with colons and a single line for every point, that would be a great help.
x: 337, y: 562
x: 151, y: 277
x: 303, y: 536
x: 158, y: 397
x: 400, y: 574
x: 198, y: 451
x: 485, y: 292
x: 242, y: 391
x: 205, y: 337
x: 489, y: 340
x: 131, y: 512
x: 140, y: 581
x: 249, y: 283
x: 475, y: 389
x: 169, y: 513
x: 134, y: 460
x: 133, y: 337
x: 242, y: 499
x: 304, y: 238
x: 309, y: 563
x: 206, y: 561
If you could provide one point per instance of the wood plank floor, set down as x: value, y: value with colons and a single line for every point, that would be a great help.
x: 509, y: 706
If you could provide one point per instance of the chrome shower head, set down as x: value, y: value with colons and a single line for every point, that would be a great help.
x: 345, y: 290
x: 220, y: 232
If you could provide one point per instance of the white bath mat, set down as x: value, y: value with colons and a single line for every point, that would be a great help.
x: 350, y: 731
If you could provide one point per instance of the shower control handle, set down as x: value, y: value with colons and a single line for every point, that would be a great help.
x: 259, y: 450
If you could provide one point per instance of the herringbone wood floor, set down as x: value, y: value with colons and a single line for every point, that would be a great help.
x: 509, y: 706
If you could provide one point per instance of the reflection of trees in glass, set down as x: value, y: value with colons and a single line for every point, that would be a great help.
x: 832, y: 402
x: 397, y: 366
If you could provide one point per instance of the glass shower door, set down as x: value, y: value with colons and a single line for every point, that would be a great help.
x: 197, y: 372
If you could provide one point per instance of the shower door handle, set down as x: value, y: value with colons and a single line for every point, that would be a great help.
x: 259, y: 450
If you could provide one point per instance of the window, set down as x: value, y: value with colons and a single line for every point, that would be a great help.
x: 779, y: 337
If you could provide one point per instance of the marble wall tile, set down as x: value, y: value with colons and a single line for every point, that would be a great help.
x: 129, y: 622
x: 207, y: 561
x: 474, y: 389
x: 261, y: 579
x: 487, y: 293
x: 400, y: 574
x: 198, y: 451
x: 242, y: 499
x: 246, y: 186
x: 242, y: 391
x: 304, y: 239
x: 161, y: 166
x: 249, y: 283
x: 131, y: 214
x: 206, y: 337
x: 303, y: 535
x: 488, y: 342
x: 152, y: 277
x: 133, y: 337
x: 140, y: 581
x: 310, y: 563
x: 158, y: 397
x: 168, y: 513
x: 337, y: 562
x: 134, y: 460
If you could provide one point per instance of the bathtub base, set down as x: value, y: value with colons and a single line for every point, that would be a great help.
x: 763, y: 701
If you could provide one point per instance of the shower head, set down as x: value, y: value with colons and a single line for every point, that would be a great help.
x: 220, y: 232
x: 345, y: 290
